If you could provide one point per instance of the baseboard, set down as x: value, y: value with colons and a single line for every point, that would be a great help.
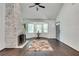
x: 2, y: 49
x: 68, y: 45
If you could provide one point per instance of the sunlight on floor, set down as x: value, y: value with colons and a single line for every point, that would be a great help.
x: 40, y: 45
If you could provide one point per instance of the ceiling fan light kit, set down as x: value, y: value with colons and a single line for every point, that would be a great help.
x: 38, y: 5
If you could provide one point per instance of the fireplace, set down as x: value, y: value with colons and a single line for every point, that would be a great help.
x: 21, y: 39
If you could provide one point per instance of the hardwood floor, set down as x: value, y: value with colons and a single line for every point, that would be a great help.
x: 59, y: 49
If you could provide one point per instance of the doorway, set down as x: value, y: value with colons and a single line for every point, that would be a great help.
x: 58, y: 31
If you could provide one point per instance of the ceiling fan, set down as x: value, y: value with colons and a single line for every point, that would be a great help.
x: 37, y: 4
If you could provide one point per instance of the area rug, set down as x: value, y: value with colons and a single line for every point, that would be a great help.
x: 39, y: 53
x: 39, y: 45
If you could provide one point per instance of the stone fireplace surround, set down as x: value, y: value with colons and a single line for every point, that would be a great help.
x: 13, y: 25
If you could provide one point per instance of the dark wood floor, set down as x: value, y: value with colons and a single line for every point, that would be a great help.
x: 60, y: 49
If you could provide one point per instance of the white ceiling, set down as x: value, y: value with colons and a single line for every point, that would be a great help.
x: 50, y: 11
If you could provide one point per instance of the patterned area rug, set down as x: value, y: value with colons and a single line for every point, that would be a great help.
x: 39, y: 53
x: 39, y: 45
x: 38, y: 48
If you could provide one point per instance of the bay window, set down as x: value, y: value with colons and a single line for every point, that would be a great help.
x: 35, y: 28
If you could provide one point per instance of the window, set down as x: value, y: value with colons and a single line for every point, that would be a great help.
x: 45, y: 28
x: 34, y: 28
x: 30, y: 28
x: 38, y: 28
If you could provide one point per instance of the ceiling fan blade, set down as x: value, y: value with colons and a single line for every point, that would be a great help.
x: 31, y: 6
x: 41, y: 6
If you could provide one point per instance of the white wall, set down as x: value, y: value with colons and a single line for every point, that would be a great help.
x: 51, y: 31
x: 2, y: 17
x: 69, y: 25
